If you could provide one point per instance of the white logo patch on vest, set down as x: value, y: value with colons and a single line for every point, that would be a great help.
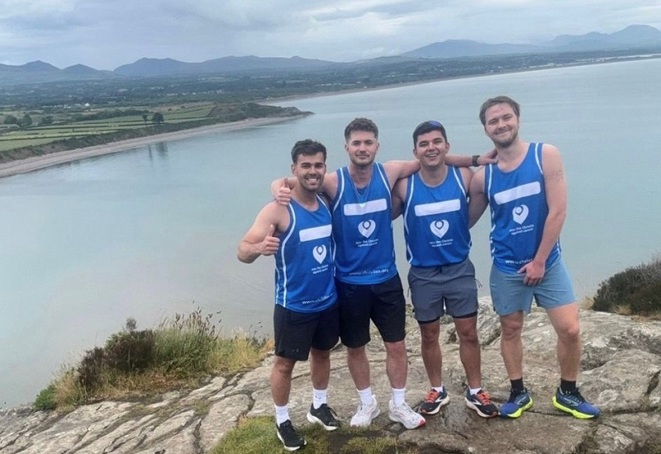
x: 520, y: 213
x: 439, y: 228
x: 366, y: 228
x: 319, y: 253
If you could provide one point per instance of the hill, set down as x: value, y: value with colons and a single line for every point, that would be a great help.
x: 631, y: 40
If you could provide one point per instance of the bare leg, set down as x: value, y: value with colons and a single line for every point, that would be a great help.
x: 565, y: 322
x: 319, y: 368
x: 359, y: 367
x: 281, y: 380
x: 431, y: 352
x: 511, y: 347
x: 396, y: 363
x: 469, y: 349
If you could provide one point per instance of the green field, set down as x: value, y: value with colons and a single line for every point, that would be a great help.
x: 67, y: 125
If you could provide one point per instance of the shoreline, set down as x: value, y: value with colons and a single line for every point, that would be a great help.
x: 63, y: 157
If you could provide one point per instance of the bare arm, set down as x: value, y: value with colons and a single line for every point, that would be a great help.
x: 396, y: 170
x: 398, y: 197
x: 467, y: 161
x: 556, y: 198
x: 478, y: 198
x: 260, y: 238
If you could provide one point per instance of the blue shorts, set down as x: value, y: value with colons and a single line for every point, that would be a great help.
x: 510, y: 295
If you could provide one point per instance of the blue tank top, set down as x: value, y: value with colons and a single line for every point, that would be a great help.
x: 304, y: 264
x: 362, y: 229
x: 518, y: 212
x: 436, y: 221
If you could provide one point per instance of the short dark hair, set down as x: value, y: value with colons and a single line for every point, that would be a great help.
x: 361, y: 124
x: 307, y: 147
x: 498, y: 100
x: 428, y: 126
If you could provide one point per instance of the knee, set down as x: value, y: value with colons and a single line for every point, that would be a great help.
x: 283, y: 366
x: 428, y: 336
x: 510, y: 331
x: 396, y: 348
x: 468, y: 337
x: 569, y: 333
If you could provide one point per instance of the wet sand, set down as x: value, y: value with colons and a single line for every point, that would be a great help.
x: 61, y: 157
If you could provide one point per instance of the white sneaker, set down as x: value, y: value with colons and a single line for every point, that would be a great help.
x: 405, y: 415
x: 365, y: 414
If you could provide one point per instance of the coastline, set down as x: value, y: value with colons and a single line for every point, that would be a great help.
x: 62, y: 157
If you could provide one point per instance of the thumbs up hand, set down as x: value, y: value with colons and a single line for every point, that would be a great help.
x: 270, y: 243
x: 283, y: 196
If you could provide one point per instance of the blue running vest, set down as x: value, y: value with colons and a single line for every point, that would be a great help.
x: 362, y: 229
x: 304, y: 263
x: 436, y: 221
x: 518, y: 212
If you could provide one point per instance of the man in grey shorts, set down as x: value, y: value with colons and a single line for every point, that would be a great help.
x: 434, y: 205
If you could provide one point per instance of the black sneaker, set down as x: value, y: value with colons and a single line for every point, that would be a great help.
x: 289, y: 437
x: 325, y: 416
x: 433, y: 402
x: 481, y: 403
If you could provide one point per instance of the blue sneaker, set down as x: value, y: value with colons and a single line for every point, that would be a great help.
x: 574, y: 404
x: 518, y: 403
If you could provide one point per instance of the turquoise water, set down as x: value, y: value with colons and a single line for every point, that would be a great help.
x: 153, y: 231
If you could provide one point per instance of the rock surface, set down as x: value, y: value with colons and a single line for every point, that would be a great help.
x: 621, y: 365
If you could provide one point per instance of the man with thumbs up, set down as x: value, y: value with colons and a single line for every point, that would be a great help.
x: 305, y: 318
x: 527, y: 194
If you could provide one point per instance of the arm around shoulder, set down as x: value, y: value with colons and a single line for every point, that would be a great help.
x: 396, y: 170
x: 478, y: 198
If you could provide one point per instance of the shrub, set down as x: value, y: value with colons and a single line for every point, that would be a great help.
x: 130, y: 351
x: 91, y: 368
x: 46, y: 398
x: 636, y: 290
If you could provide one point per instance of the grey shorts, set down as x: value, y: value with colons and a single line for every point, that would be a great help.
x: 440, y: 290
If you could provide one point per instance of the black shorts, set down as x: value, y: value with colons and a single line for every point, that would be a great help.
x: 296, y: 332
x: 383, y: 303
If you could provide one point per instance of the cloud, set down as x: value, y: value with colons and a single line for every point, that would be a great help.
x: 105, y: 34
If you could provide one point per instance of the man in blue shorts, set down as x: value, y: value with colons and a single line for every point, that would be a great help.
x: 305, y: 318
x: 527, y: 193
x: 434, y: 203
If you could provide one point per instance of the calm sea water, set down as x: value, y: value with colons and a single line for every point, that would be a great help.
x: 153, y: 231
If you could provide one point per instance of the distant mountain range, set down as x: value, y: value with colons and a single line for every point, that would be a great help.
x: 632, y: 38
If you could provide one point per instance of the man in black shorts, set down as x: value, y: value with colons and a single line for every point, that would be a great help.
x: 306, y: 317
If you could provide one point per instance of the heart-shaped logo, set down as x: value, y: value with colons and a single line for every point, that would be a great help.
x: 319, y: 253
x: 366, y: 228
x: 439, y: 228
x: 519, y: 214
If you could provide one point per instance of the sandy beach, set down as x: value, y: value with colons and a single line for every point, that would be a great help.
x: 41, y: 162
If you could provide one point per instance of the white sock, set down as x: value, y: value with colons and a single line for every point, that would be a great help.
x: 474, y: 391
x: 281, y: 414
x: 438, y: 388
x: 319, y: 397
x: 398, y: 396
x: 365, y: 395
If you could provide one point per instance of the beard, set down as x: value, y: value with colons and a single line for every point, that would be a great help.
x: 505, y: 142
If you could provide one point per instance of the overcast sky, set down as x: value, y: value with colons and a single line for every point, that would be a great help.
x: 105, y: 34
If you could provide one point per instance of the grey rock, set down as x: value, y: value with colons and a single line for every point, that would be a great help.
x: 621, y: 365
